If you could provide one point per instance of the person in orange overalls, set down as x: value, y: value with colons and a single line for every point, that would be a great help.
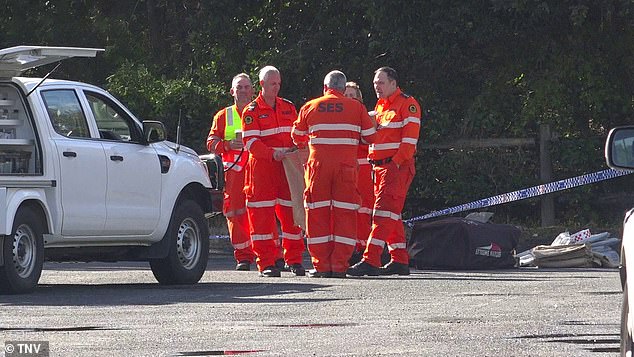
x: 364, y: 185
x: 266, y: 128
x: 332, y: 125
x: 392, y: 157
x: 225, y: 139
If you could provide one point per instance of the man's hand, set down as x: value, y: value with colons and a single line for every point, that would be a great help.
x: 278, y: 155
x: 236, y: 144
x: 372, y: 115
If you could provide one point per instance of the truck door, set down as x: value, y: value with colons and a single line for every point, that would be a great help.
x: 82, y: 165
x: 133, y: 198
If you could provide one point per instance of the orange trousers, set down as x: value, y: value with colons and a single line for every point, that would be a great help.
x: 365, y: 186
x: 331, y: 201
x: 390, y: 188
x: 268, y: 196
x: 234, y: 209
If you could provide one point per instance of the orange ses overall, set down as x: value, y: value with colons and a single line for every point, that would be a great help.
x: 226, y: 122
x: 333, y: 126
x: 393, y: 152
x: 266, y: 129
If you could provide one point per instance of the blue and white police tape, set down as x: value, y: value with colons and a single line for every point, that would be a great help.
x: 525, y: 193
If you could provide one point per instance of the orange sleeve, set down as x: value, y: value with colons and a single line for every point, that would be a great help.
x: 368, y: 126
x: 411, y: 114
x: 215, y: 138
x: 300, y: 128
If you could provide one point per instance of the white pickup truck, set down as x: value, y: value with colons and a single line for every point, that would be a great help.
x: 82, y: 179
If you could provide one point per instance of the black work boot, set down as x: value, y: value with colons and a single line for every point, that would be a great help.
x: 394, y: 268
x: 270, y: 272
x: 355, y: 258
x: 297, y: 269
x: 243, y: 265
x: 362, y: 268
x: 281, y: 265
x: 313, y: 273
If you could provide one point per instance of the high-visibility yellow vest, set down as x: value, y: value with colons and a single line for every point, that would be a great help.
x: 233, y: 124
x: 233, y: 159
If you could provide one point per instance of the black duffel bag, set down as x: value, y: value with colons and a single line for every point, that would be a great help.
x: 459, y: 243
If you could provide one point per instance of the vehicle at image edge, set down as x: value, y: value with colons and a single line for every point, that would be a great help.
x: 619, y: 155
x: 82, y: 179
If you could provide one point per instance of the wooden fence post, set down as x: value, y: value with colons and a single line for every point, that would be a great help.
x: 546, y: 175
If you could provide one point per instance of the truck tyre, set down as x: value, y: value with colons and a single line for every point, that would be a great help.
x: 23, y: 254
x: 188, y: 237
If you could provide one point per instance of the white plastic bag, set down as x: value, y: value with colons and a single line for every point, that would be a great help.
x: 562, y: 239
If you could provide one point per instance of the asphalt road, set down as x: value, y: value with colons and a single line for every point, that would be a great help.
x: 119, y: 310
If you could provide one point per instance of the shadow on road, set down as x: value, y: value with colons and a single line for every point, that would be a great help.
x: 155, y: 294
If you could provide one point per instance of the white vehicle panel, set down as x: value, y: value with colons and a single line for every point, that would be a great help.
x: 83, y: 186
x: 133, y: 198
x: 15, y: 60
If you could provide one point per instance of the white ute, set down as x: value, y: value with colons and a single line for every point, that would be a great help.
x: 82, y: 179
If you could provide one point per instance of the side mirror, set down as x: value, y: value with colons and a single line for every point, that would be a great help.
x: 619, y: 148
x: 214, y: 170
x: 153, y: 131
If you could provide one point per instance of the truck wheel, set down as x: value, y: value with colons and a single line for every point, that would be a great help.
x: 23, y: 254
x: 188, y: 237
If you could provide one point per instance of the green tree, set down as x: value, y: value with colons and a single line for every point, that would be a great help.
x: 480, y: 69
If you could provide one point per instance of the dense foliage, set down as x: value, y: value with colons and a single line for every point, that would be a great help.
x: 481, y: 69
